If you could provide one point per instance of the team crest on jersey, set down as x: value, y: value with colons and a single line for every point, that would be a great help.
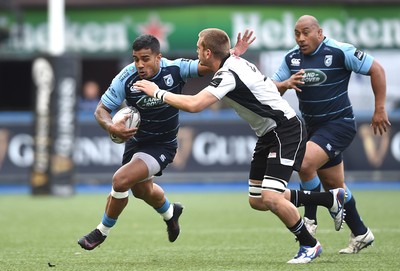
x: 168, y: 80
x: 328, y: 60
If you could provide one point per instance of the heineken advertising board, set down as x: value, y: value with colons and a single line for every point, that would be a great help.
x: 111, y: 31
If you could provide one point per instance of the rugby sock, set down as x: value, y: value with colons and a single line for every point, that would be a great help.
x: 106, y: 224
x: 353, y: 219
x: 310, y: 211
x: 302, y: 198
x: 166, y: 210
x: 302, y: 234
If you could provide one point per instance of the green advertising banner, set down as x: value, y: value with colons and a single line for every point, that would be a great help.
x: 111, y: 31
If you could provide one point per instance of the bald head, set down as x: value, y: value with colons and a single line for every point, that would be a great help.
x: 308, y: 34
x: 308, y: 20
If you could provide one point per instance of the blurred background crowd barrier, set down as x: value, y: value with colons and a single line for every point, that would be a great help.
x: 212, y: 148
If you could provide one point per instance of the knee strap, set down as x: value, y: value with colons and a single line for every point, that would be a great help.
x: 274, y: 184
x: 254, y: 190
x: 119, y: 195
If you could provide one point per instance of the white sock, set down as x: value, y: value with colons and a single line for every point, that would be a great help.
x: 103, y: 229
x: 169, y: 213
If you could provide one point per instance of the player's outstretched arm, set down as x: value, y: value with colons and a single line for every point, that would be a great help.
x: 242, y: 43
x: 189, y: 103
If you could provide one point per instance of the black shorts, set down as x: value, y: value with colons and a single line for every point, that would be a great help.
x: 333, y: 137
x: 164, y: 153
x: 282, y: 148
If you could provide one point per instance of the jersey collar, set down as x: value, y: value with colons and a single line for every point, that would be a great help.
x: 319, y: 46
x: 223, y: 61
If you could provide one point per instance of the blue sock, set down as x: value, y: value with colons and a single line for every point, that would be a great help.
x: 353, y: 219
x: 163, y: 208
x: 310, y: 211
x: 107, y: 221
x: 311, y: 185
x: 349, y: 195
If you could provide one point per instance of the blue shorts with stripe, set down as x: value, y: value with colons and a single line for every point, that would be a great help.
x: 164, y: 153
x: 333, y: 137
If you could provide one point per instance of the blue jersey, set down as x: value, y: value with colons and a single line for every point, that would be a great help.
x: 324, y: 95
x: 159, y: 121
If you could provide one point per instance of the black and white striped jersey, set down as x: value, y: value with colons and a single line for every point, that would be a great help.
x: 253, y: 96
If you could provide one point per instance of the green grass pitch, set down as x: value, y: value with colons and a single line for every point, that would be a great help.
x: 219, y: 231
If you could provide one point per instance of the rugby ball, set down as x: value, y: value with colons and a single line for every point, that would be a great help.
x: 132, y: 121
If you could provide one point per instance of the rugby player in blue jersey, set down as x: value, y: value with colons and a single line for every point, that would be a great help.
x: 319, y: 69
x: 152, y: 146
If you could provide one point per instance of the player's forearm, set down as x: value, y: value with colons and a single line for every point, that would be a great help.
x: 103, y: 117
x: 380, y: 98
x: 186, y: 103
x: 378, y: 83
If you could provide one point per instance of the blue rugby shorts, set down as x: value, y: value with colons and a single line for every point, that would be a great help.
x: 333, y: 137
x: 164, y: 153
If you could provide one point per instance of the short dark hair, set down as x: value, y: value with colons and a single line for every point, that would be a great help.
x: 146, y: 42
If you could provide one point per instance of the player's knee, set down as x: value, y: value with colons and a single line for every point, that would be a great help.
x: 308, y: 167
x: 257, y: 204
x: 120, y: 182
x: 117, y: 186
x: 271, y: 202
x: 273, y: 192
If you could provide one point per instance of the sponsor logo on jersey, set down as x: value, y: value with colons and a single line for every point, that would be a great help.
x: 149, y: 102
x: 215, y: 82
x: 359, y: 54
x: 295, y: 62
x: 124, y: 75
x: 134, y: 90
x: 313, y: 77
x: 168, y: 80
x: 251, y: 67
x: 328, y: 60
